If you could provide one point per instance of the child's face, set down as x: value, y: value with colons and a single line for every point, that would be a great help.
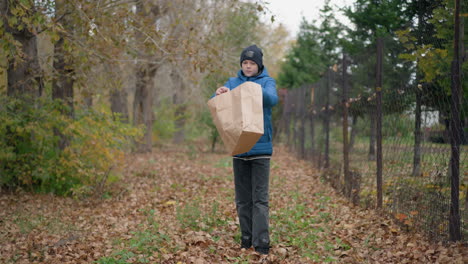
x: 249, y: 68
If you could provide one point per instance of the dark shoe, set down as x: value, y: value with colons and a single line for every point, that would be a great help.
x: 246, y: 243
x: 262, y: 250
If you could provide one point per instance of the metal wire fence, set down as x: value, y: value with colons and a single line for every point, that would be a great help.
x: 334, y: 123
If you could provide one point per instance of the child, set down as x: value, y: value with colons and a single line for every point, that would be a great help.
x: 252, y: 169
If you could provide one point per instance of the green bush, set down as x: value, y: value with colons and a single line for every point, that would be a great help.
x: 30, y: 157
x: 164, y: 129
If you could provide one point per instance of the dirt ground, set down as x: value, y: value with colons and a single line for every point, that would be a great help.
x: 176, y: 205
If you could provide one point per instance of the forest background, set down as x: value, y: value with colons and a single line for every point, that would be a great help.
x: 84, y: 83
x: 122, y: 69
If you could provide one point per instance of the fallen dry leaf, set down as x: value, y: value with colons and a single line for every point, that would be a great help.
x: 171, y: 208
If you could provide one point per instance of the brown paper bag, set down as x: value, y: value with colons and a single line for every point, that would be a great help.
x: 238, y: 116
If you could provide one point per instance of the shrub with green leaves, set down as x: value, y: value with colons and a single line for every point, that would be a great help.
x: 30, y: 157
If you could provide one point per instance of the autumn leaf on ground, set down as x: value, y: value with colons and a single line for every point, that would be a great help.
x: 173, y: 209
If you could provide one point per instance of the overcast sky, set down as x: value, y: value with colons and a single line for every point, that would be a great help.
x: 290, y: 12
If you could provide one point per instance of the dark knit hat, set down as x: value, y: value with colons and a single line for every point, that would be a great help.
x: 253, y: 53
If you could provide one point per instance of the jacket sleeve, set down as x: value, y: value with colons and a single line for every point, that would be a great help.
x: 227, y: 84
x: 270, y: 96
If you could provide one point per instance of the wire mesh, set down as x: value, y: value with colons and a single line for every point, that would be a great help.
x: 416, y: 176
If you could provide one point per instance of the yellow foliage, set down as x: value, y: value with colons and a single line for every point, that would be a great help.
x: 99, y: 147
x: 31, y: 158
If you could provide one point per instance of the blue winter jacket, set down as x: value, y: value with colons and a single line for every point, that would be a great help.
x: 264, y: 145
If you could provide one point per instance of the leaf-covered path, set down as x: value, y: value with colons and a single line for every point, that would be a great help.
x: 176, y: 205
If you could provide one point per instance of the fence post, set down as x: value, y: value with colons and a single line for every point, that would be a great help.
x: 455, y: 133
x: 347, y: 179
x: 379, y: 119
x: 302, y: 115
x: 287, y: 118
x: 417, y: 130
x: 417, y: 112
x: 294, y: 121
x: 311, y: 122
x: 327, y: 120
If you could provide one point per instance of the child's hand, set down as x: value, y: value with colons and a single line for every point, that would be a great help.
x: 221, y: 90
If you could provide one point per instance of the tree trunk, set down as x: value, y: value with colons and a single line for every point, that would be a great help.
x: 118, y: 100
x: 143, y: 105
x: 62, y: 85
x: 143, y: 101
x: 88, y: 100
x: 354, y: 131
x: 23, y: 73
x: 179, y: 99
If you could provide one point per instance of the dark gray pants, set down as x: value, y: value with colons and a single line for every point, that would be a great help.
x: 251, y: 179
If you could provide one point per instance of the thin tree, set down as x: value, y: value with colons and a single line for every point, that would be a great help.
x: 145, y: 71
x: 23, y: 71
x: 455, y: 131
x: 62, y: 85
